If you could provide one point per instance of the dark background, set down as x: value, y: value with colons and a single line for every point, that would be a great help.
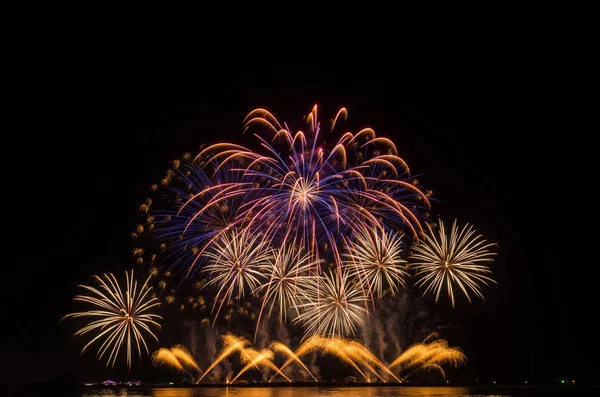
x: 488, y: 127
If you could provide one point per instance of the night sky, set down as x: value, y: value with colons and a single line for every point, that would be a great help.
x: 483, y: 132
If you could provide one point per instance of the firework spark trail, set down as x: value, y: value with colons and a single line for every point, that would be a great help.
x: 231, y: 344
x: 410, y: 355
x: 349, y: 353
x: 343, y: 347
x: 185, y: 357
x: 177, y: 357
x: 453, y: 259
x: 309, y: 345
x: 279, y: 347
x: 122, y: 314
x: 332, y: 346
x: 429, y: 356
x: 366, y: 355
x: 166, y: 357
x: 264, y: 357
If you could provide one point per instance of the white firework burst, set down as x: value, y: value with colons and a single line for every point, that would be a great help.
x: 123, y: 316
x: 237, y: 262
x: 375, y: 258
x: 289, y: 276
x: 458, y: 259
x: 333, y: 305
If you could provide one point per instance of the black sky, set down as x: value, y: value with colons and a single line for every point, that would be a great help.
x: 483, y: 128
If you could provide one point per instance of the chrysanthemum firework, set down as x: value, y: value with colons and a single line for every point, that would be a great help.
x: 335, y: 304
x: 237, y: 263
x: 121, y: 317
x: 458, y: 259
x: 289, y: 275
x: 375, y: 257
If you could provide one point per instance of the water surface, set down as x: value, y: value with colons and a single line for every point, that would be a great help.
x: 347, y: 391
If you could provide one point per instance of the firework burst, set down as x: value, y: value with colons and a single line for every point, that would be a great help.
x: 238, y: 262
x: 450, y: 260
x: 297, y: 182
x: 290, y: 270
x: 295, y: 200
x: 375, y: 256
x: 333, y: 305
x: 262, y: 219
x: 122, y: 315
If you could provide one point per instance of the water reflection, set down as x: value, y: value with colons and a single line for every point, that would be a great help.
x: 284, y: 392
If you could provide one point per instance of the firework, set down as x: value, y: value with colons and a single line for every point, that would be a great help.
x: 333, y: 305
x: 289, y: 276
x: 429, y: 356
x: 310, y: 224
x: 297, y: 200
x: 121, y: 315
x: 166, y: 358
x: 348, y: 351
x: 238, y: 263
x: 185, y: 357
x: 301, y: 185
x: 254, y: 358
x: 279, y: 347
x: 458, y: 259
x: 231, y: 344
x: 375, y: 256
x: 179, y: 358
x: 363, y: 354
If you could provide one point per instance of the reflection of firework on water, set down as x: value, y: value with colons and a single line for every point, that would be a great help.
x: 453, y: 260
x: 375, y: 256
x: 122, y: 315
x: 333, y: 305
x: 428, y: 356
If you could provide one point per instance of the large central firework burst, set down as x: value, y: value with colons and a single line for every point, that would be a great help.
x: 313, y: 225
